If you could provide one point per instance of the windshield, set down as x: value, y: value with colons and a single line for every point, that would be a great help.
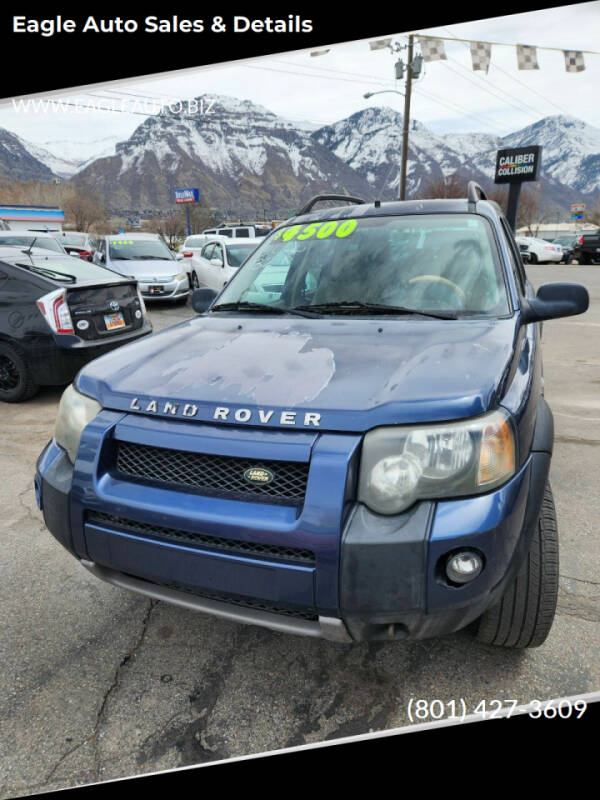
x: 237, y: 253
x: 139, y: 249
x: 47, y: 243
x: 422, y: 262
x: 74, y: 239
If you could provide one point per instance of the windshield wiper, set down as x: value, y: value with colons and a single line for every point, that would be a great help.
x: 350, y: 306
x: 243, y: 305
x: 50, y: 273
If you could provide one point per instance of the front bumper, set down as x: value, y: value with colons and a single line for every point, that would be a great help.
x: 170, y: 290
x: 373, y: 578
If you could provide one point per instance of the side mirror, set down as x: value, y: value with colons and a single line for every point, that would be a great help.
x: 555, y: 300
x: 216, y: 262
x: 202, y: 299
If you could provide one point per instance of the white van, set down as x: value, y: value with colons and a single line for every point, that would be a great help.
x: 239, y: 231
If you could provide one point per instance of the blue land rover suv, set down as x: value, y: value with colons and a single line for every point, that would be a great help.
x: 350, y: 441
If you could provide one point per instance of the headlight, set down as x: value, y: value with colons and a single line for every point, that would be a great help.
x: 74, y: 412
x: 180, y: 276
x: 402, y: 464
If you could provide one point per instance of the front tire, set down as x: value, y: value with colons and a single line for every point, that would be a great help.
x: 533, y: 259
x: 524, y: 614
x: 194, y: 282
x: 16, y: 383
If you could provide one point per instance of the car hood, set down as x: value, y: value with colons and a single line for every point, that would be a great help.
x: 146, y: 268
x: 355, y: 374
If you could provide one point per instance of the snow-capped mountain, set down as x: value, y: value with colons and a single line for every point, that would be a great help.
x: 370, y: 141
x: 240, y: 155
x: 246, y: 159
x: 65, y: 157
x: 571, y: 150
x: 18, y: 163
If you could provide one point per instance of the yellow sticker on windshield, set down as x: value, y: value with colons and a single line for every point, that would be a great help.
x: 320, y: 230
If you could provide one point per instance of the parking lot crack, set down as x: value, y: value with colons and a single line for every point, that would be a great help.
x: 95, y: 735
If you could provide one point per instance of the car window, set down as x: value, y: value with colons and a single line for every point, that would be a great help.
x: 237, y: 254
x: 225, y: 232
x: 217, y: 253
x: 194, y: 242
x: 206, y: 252
x: 46, y: 242
x: 242, y: 233
x: 123, y: 249
x: 427, y: 262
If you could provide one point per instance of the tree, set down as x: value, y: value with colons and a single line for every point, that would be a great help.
x: 82, y: 211
x: 201, y: 217
x: 448, y: 186
x: 592, y: 213
x: 172, y: 227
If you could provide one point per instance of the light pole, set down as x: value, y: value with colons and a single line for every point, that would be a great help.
x: 393, y: 91
x: 413, y: 69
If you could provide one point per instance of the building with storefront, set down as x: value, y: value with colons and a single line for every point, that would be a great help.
x: 33, y: 218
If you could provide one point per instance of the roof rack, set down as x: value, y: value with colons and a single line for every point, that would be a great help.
x: 319, y: 197
x: 474, y: 193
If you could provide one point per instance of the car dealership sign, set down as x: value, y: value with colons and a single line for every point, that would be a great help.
x: 518, y: 164
x: 187, y: 196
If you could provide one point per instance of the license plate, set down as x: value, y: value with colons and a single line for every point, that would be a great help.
x: 155, y: 289
x: 113, y: 321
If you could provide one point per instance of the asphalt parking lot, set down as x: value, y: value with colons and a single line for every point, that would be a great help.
x: 98, y: 683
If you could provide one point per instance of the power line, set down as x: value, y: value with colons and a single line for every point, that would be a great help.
x: 379, y: 83
x: 513, y: 78
x: 468, y: 78
x: 322, y: 77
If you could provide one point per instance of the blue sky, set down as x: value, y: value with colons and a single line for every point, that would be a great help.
x: 450, y: 97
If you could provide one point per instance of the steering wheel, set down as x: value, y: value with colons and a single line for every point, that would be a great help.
x: 439, y: 279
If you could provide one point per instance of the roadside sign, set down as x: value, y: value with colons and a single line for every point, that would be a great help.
x: 518, y: 164
x: 515, y: 166
x: 187, y: 195
x: 577, y: 211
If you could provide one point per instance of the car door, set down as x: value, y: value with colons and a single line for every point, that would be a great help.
x: 216, y: 267
x: 202, y: 265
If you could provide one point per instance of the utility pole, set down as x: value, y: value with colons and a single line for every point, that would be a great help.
x: 406, y: 121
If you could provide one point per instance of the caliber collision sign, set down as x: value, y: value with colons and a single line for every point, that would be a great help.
x: 518, y: 164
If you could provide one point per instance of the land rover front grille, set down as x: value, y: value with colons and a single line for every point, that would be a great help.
x: 242, y: 548
x: 211, y: 474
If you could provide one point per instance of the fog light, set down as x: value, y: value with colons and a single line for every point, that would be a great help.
x: 464, y: 566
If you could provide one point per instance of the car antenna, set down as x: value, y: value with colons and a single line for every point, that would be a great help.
x: 28, y: 252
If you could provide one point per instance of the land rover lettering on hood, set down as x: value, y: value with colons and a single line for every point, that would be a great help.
x: 349, y: 441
